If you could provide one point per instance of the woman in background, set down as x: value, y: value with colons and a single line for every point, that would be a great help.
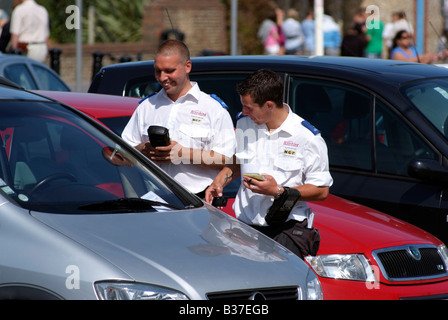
x: 402, y: 50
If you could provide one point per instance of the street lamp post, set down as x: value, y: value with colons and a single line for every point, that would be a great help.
x: 234, y: 28
x: 319, y: 35
x: 79, y: 49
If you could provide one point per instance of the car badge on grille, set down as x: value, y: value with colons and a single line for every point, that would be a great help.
x: 415, y: 253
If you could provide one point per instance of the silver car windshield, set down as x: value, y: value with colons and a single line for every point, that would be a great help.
x: 430, y: 97
x: 52, y: 160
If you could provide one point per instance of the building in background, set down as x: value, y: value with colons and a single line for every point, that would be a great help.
x: 205, y: 26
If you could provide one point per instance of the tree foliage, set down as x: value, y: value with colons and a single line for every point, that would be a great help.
x: 251, y: 13
x: 115, y: 20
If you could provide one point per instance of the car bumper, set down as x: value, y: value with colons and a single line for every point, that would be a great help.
x: 355, y: 290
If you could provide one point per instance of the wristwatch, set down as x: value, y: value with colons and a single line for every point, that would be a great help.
x: 279, y: 193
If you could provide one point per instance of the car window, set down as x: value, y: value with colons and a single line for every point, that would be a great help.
x: 431, y: 99
x: 343, y: 114
x: 116, y: 124
x: 397, y: 144
x: 54, y: 161
x: 141, y: 87
x: 20, y: 74
x: 224, y: 87
x: 48, y: 81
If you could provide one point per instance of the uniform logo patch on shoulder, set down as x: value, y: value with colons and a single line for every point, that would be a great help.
x: 310, y: 127
x: 224, y: 105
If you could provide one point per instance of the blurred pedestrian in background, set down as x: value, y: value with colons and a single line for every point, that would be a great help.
x: 354, y: 41
x: 398, y: 23
x: 292, y: 30
x: 374, y: 34
x: 4, y: 18
x: 332, y: 36
x: 5, y: 36
x: 309, y: 33
x: 30, y: 29
x: 403, y: 50
x: 401, y: 23
x: 270, y: 33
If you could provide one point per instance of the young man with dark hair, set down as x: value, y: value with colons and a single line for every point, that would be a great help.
x: 284, y: 163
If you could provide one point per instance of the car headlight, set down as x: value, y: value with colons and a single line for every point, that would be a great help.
x: 135, y: 291
x: 443, y: 251
x: 342, y: 266
x: 314, y: 289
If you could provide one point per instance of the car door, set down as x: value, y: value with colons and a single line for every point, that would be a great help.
x: 370, y: 147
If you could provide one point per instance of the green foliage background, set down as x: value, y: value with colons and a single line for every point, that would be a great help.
x: 116, y: 20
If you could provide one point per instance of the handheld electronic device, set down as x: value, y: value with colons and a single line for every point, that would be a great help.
x: 219, y: 201
x: 255, y: 176
x: 158, y: 136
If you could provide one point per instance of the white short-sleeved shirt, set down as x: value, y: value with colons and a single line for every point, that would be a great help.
x: 294, y: 154
x: 196, y: 121
x: 30, y: 22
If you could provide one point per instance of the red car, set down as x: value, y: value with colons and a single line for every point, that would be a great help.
x: 364, y: 254
x: 113, y: 112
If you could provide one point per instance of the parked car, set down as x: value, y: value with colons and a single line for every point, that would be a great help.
x: 85, y: 216
x: 385, y: 122
x: 361, y: 248
x: 30, y: 74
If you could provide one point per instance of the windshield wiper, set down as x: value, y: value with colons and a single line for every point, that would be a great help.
x: 127, y: 204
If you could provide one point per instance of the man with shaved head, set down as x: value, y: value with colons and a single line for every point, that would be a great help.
x: 201, y: 130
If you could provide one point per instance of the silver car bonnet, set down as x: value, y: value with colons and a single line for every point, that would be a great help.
x: 195, y: 251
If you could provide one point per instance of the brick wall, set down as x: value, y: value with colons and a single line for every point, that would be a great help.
x: 203, y: 23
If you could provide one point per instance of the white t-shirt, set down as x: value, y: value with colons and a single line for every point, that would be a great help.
x: 293, y: 34
x: 30, y: 22
x: 196, y: 121
x: 294, y: 154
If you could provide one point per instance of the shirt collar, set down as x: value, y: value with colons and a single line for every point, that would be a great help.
x: 288, y: 125
x: 194, y: 92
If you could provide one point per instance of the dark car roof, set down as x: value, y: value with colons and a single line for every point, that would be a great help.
x: 376, y: 71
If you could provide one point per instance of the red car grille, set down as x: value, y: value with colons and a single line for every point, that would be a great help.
x: 411, y: 263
